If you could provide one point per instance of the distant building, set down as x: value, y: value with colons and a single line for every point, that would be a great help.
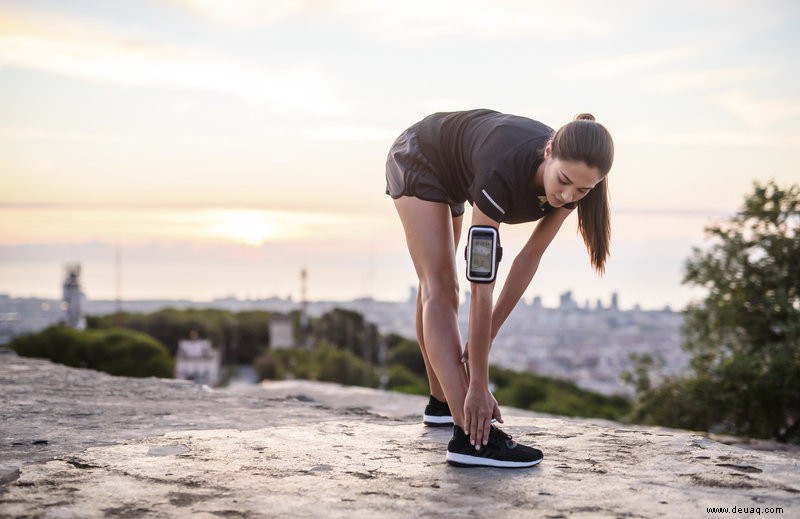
x: 197, y: 360
x: 566, y: 302
x: 281, y: 332
x: 72, y: 297
x: 412, y: 295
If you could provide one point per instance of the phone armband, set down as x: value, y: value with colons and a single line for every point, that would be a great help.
x: 483, y: 253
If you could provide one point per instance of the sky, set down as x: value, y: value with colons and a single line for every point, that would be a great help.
x: 195, y: 149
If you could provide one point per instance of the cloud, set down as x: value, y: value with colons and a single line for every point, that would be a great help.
x: 708, y: 78
x: 758, y: 112
x: 42, y: 223
x: 708, y: 137
x: 422, y: 18
x: 37, y: 134
x: 562, y: 21
x: 68, y: 47
x: 552, y: 20
x: 350, y: 133
x: 626, y: 65
x: 664, y: 72
x: 244, y: 13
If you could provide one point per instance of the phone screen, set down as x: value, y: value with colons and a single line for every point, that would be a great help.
x: 481, y: 256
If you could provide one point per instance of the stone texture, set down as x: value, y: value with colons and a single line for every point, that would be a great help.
x: 77, y: 443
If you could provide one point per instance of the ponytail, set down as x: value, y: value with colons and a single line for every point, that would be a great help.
x: 594, y: 224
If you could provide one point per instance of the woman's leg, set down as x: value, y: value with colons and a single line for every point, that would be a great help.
x: 429, y: 234
x: 435, y: 387
x: 433, y: 381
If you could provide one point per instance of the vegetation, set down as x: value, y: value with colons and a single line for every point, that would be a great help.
x: 324, y: 362
x: 744, y: 336
x: 405, y: 372
x: 554, y: 396
x: 344, y: 348
x: 116, y: 351
x: 241, y: 336
x: 348, y: 330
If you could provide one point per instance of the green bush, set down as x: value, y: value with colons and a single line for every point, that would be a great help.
x: 324, y: 362
x: 342, y: 366
x: 402, y: 379
x: 548, y: 395
x: 292, y: 363
x: 115, y: 351
x: 408, y: 354
x: 267, y: 368
x: 525, y: 392
x: 242, y: 336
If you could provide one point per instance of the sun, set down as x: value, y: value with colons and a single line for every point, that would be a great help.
x: 252, y: 228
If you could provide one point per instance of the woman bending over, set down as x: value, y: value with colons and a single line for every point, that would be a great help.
x: 512, y: 170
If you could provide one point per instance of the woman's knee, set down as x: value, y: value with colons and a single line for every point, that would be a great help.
x: 442, y: 289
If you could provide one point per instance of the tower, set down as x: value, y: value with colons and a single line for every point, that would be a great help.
x: 118, y: 321
x: 72, y: 296
x: 305, y: 325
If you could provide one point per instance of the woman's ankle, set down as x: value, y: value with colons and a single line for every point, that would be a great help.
x: 434, y: 400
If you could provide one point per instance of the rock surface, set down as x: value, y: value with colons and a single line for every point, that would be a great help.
x: 77, y: 443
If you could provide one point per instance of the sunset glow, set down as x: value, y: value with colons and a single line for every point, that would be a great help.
x: 248, y: 227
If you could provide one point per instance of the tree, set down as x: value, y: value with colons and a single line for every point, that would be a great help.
x: 407, y: 353
x: 548, y: 395
x: 324, y: 362
x: 116, y: 351
x: 744, y: 336
x: 348, y: 330
x: 241, y: 337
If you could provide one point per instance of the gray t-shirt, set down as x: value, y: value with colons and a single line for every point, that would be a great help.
x: 489, y: 159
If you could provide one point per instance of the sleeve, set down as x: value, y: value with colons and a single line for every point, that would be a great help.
x: 492, y: 194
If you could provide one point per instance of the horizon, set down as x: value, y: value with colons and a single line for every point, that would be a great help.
x: 218, y: 148
x: 289, y: 299
x: 190, y: 265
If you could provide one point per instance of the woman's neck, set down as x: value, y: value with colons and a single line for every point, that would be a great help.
x: 538, y: 179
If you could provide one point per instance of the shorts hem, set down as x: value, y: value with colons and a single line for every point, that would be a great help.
x: 454, y: 212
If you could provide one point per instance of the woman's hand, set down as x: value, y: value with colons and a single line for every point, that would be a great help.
x: 480, y: 407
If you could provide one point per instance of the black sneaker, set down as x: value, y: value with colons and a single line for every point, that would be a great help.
x: 437, y: 414
x: 501, y: 451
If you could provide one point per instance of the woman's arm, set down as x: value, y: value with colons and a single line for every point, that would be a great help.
x: 479, y: 405
x: 484, y: 321
x: 479, y: 332
x: 525, y: 265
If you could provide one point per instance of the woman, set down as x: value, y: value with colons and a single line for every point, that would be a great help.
x: 512, y: 170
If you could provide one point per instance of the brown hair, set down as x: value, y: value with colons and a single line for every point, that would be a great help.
x: 585, y: 140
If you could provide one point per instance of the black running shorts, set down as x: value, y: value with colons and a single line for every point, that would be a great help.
x: 409, y: 173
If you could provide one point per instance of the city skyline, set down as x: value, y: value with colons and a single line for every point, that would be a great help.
x: 578, y: 341
x: 218, y: 148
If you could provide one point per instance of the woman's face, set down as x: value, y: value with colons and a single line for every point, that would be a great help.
x: 567, y: 181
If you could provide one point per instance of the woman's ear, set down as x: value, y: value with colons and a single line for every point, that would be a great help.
x: 548, y: 150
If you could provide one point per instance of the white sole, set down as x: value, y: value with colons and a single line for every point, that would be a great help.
x: 439, y: 420
x: 477, y: 461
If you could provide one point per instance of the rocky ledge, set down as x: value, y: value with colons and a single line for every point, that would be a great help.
x: 77, y: 443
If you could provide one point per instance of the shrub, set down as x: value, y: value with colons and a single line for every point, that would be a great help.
x: 115, y: 351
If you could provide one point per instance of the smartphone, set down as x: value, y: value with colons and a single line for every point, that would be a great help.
x: 483, y: 253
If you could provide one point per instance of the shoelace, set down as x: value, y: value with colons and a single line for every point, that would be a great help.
x: 502, y: 434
